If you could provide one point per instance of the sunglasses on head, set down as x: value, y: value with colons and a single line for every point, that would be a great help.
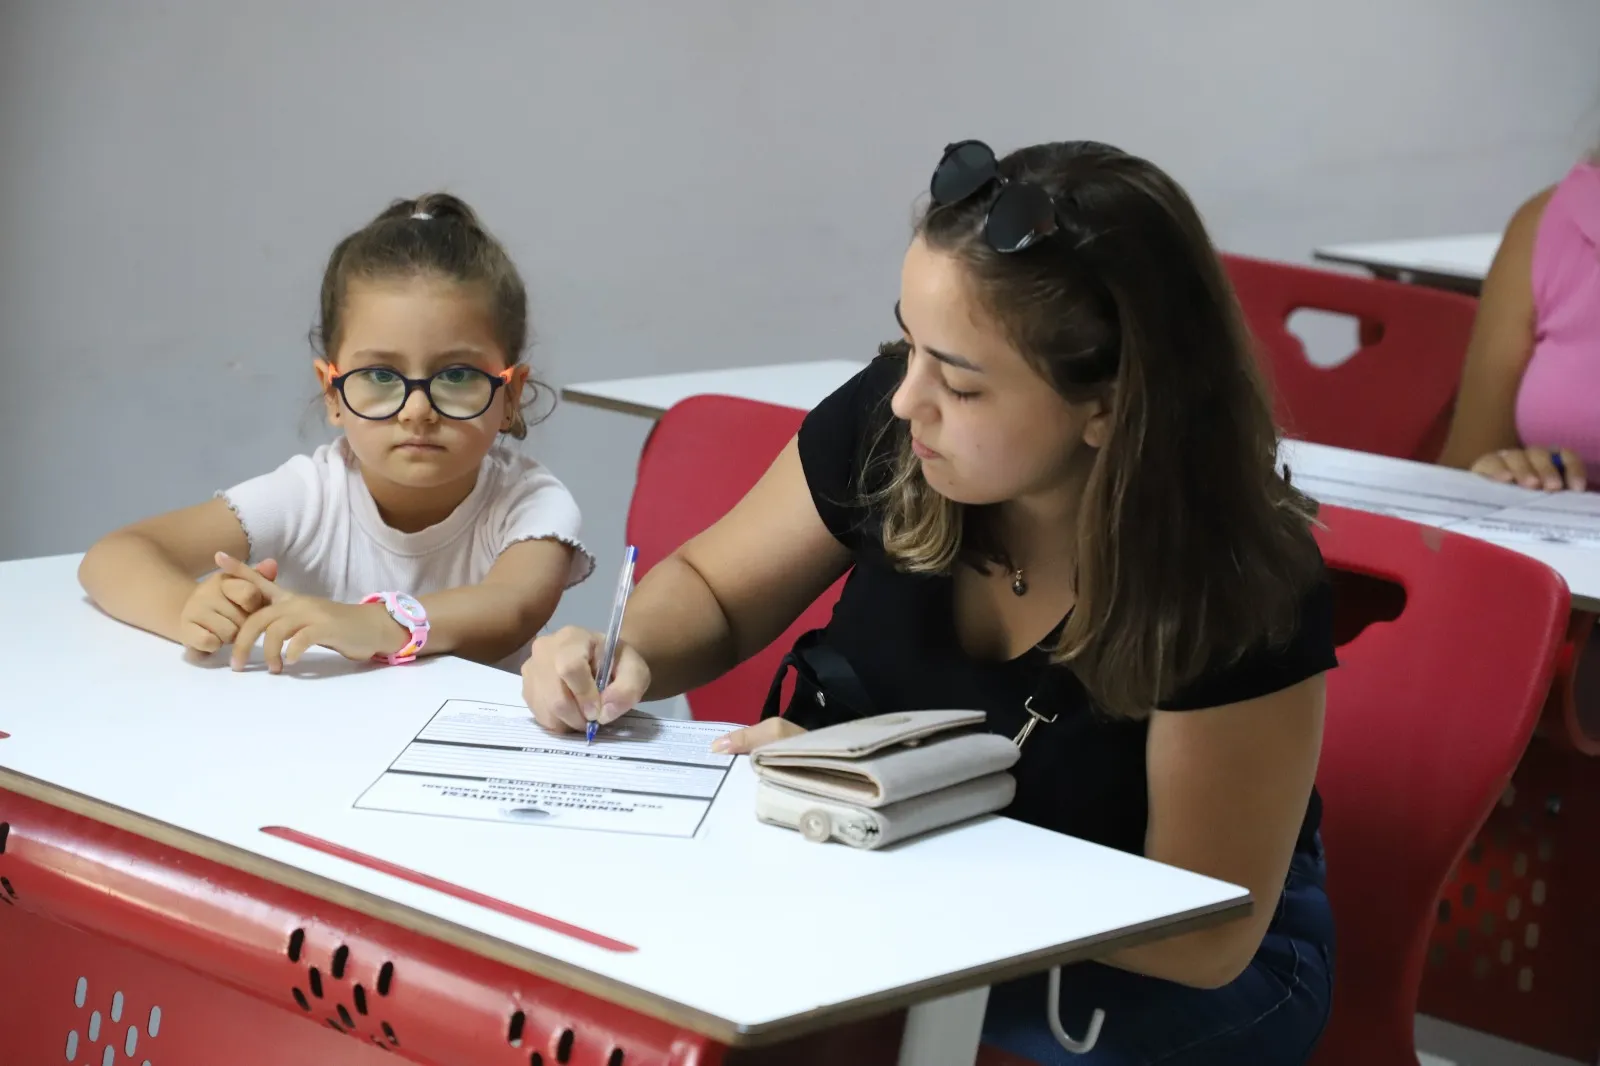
x: 1022, y: 213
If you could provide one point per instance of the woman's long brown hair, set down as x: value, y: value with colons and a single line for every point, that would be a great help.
x: 1191, y: 547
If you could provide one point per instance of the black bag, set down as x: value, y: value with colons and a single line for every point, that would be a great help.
x: 826, y: 689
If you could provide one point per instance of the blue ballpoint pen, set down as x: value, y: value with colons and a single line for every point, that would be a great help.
x: 608, y: 652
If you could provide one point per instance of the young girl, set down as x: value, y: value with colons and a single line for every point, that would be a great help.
x: 417, y: 532
x: 1057, y: 501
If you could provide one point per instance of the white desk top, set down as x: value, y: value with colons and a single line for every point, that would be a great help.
x: 108, y: 713
x: 1466, y: 257
x: 802, y: 385
x: 1561, y: 530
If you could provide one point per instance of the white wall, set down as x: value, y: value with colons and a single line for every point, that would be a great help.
x: 690, y: 184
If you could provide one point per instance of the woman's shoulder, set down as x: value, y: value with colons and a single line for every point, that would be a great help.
x: 846, y: 437
x: 1272, y: 663
x: 847, y: 428
x: 1568, y: 210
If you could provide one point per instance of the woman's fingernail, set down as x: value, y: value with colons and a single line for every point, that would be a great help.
x: 609, y: 711
x: 722, y: 744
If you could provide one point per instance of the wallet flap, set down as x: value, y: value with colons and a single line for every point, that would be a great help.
x: 863, y: 736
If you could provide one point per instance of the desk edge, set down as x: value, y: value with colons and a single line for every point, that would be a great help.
x: 624, y: 995
x: 606, y: 403
x: 1389, y: 269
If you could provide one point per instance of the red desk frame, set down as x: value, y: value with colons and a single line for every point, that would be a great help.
x: 105, y: 933
x: 238, y: 964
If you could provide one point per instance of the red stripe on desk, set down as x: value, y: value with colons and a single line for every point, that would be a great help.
x: 466, y: 895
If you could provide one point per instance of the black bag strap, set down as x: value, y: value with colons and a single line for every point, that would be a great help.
x: 827, y: 671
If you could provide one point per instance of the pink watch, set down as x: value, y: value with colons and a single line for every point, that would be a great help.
x: 405, y: 609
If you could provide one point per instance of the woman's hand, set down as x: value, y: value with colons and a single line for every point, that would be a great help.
x: 356, y: 631
x: 744, y: 741
x: 558, y: 680
x: 1534, y: 468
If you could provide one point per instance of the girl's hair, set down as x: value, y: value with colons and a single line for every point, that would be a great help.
x: 435, y: 235
x: 1191, y: 548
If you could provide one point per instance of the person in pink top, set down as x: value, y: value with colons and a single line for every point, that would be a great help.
x: 1529, y: 407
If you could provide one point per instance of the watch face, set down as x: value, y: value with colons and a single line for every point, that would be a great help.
x: 408, y: 606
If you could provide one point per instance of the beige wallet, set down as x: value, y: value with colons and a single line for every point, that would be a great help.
x: 874, y: 781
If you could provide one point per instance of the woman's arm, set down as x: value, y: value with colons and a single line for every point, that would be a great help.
x: 1228, y: 792
x: 717, y: 600
x: 1484, y: 420
x: 143, y: 574
x: 730, y: 591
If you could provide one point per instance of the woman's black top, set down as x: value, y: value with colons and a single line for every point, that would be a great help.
x: 1083, y: 774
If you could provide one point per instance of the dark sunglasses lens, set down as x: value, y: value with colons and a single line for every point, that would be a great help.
x: 1020, y: 216
x: 965, y: 168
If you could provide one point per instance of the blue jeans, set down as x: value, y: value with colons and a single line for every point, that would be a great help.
x: 1271, y: 1015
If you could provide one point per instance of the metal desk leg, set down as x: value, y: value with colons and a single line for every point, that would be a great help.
x: 944, y: 1032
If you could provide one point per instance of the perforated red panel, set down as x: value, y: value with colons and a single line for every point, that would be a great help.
x: 115, y: 950
x: 69, y: 997
x: 1516, y: 951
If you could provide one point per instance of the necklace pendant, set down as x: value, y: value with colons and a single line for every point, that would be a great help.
x: 1019, y: 587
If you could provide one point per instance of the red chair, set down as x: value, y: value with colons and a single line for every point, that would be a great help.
x: 1448, y: 645
x: 1452, y: 644
x: 1394, y: 396
x: 700, y: 459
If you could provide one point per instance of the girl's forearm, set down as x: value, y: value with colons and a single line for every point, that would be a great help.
x: 134, y: 581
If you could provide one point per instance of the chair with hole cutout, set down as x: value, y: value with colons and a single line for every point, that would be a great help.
x: 700, y: 459
x: 1395, y: 394
x: 1452, y: 643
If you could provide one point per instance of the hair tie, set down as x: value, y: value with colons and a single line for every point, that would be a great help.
x: 423, y: 216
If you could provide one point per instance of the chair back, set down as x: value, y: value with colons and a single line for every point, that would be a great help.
x: 1449, y: 645
x: 700, y: 459
x: 1395, y: 394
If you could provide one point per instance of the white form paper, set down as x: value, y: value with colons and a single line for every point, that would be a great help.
x: 493, y: 762
x: 1419, y: 492
x: 1552, y: 518
x: 1432, y: 505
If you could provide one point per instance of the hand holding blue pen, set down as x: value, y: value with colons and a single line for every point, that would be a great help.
x: 608, y: 651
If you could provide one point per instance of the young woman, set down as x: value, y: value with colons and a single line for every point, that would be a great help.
x: 1059, y: 503
x: 1526, y: 413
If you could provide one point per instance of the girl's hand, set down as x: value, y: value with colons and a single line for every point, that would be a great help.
x: 744, y: 741
x: 356, y: 631
x: 1533, y: 468
x: 558, y: 680
x: 219, y: 605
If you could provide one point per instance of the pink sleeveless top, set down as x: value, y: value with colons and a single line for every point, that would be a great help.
x: 1558, y: 403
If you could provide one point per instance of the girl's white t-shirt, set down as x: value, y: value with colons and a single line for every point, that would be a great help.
x: 315, y: 516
